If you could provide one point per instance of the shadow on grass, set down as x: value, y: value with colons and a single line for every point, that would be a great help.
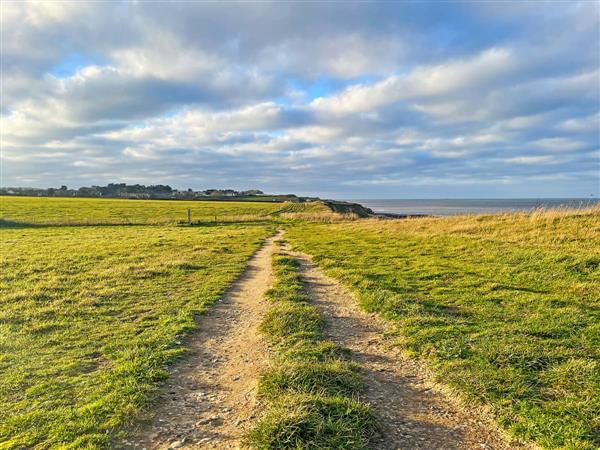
x: 411, y: 414
x: 209, y: 224
x: 14, y: 224
x: 507, y: 287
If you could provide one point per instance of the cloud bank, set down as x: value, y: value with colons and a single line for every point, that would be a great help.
x: 374, y: 99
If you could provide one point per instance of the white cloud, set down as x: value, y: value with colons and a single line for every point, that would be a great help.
x: 317, y: 134
x: 143, y: 153
x: 524, y: 122
x: 378, y: 94
x: 587, y: 124
x: 425, y: 81
x: 559, y: 144
x: 530, y: 159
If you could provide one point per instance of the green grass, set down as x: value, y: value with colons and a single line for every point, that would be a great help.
x: 311, y: 387
x: 291, y: 320
x: 505, y: 309
x: 83, y: 211
x: 90, y: 318
x: 329, y: 377
x: 298, y: 208
x: 303, y: 421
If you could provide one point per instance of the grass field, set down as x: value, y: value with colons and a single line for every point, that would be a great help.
x: 504, y: 309
x: 91, y: 316
x: 81, y: 211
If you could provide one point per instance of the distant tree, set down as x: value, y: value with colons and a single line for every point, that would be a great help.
x: 124, y: 190
x: 89, y: 192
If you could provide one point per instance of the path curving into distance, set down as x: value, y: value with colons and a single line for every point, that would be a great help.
x: 210, y: 397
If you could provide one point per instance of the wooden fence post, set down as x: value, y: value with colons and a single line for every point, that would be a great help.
x: 189, y: 216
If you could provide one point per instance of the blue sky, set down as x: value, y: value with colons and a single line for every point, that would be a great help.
x: 345, y: 100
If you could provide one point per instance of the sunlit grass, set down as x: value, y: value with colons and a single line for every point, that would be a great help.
x: 83, y: 211
x: 90, y: 317
x: 504, y: 308
x: 310, y: 389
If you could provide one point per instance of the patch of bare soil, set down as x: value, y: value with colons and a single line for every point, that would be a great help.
x: 210, y: 398
x: 412, y: 413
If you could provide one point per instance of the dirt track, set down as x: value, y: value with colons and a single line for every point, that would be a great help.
x: 209, y: 401
x: 412, y: 413
x: 210, y: 397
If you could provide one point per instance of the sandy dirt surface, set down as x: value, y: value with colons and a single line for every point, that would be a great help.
x: 210, y: 398
x: 413, y: 414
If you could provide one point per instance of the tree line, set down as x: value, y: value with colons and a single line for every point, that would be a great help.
x: 123, y: 190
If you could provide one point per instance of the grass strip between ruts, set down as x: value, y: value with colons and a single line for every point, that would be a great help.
x: 311, y: 388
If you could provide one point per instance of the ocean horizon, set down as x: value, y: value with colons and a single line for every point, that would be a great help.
x: 449, y: 207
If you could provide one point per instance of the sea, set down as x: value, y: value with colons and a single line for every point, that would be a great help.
x: 449, y: 207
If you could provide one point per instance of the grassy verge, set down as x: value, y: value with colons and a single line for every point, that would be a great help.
x: 311, y: 387
x: 504, y: 308
x: 90, y: 318
x: 317, y: 211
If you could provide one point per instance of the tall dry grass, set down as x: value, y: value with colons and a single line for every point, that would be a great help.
x: 552, y: 227
x: 324, y: 217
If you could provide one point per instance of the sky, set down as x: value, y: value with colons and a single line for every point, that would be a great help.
x: 424, y: 99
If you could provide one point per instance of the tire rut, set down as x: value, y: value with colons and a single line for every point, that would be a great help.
x: 413, y: 414
x: 210, y: 398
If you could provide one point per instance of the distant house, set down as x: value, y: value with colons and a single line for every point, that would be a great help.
x: 134, y: 195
